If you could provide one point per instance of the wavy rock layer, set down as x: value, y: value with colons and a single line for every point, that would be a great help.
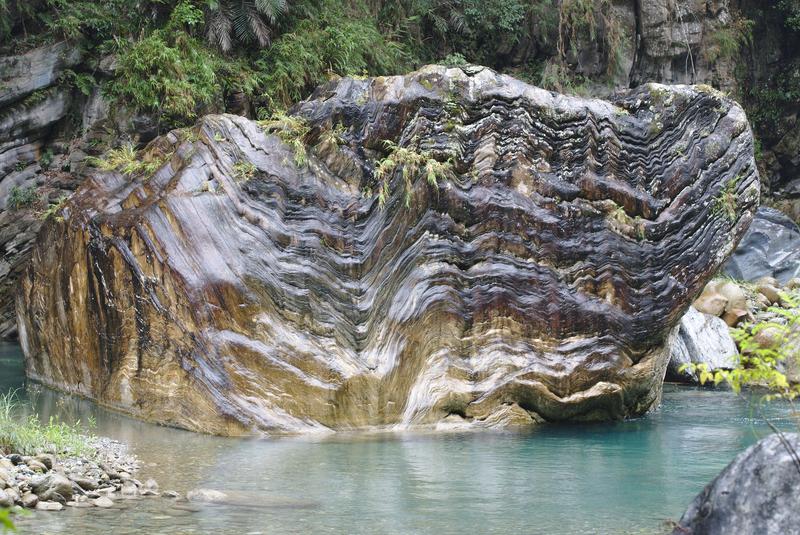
x: 235, y: 290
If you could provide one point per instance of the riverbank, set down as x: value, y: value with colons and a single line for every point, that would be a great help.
x: 102, y: 474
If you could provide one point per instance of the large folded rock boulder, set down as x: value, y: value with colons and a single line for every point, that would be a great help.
x: 397, y: 251
x: 757, y: 493
x: 771, y: 248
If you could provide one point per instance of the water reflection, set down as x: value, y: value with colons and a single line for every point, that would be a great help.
x: 625, y: 477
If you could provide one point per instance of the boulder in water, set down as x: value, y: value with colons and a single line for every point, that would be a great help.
x: 397, y: 250
x: 757, y: 492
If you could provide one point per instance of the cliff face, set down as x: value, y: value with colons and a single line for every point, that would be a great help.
x: 533, y: 253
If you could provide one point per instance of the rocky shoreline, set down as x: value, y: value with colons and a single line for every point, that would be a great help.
x: 49, y: 482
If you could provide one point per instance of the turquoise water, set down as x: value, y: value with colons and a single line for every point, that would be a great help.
x: 625, y: 477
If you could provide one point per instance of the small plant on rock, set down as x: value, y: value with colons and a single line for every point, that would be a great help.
x: 412, y: 163
x: 244, y: 171
x: 54, y: 210
x: 127, y: 161
x: 292, y: 130
x: 726, y: 202
x: 22, y: 197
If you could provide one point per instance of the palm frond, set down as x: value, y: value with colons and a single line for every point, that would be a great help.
x: 218, y: 28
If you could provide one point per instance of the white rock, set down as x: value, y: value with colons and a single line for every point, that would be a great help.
x: 700, y: 338
x: 103, y: 501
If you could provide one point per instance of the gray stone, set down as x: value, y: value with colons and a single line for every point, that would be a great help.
x: 29, y: 500
x: 756, y: 493
x: 700, y: 338
x: 5, y: 499
x: 206, y: 496
x: 85, y: 483
x: 36, y: 69
x: 47, y: 459
x: 771, y: 248
x: 151, y: 484
x: 103, y: 501
x: 49, y: 506
x: 36, y: 466
x: 13, y: 494
x: 52, y: 485
x: 129, y: 489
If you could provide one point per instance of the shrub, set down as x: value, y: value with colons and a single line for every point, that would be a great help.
x: 316, y: 48
x: 22, y: 197
x: 168, y: 71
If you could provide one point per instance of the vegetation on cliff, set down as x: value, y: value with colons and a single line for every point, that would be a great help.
x: 183, y: 57
x: 178, y: 59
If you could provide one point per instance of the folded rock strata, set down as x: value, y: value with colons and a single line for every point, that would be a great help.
x: 254, y: 282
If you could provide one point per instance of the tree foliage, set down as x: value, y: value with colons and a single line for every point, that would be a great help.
x: 767, y: 349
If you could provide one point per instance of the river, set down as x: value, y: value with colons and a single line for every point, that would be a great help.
x: 623, y: 477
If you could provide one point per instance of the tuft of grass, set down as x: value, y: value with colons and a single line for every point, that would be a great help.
x: 412, y: 163
x: 244, y: 171
x: 54, y: 209
x: 29, y: 436
x: 292, y: 130
x: 726, y: 201
x: 128, y: 161
x: 22, y: 197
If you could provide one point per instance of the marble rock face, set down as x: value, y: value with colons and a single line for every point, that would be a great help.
x: 254, y: 282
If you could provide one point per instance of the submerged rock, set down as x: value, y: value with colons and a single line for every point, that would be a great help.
x: 700, y: 339
x: 757, y: 492
x: 537, y: 258
x: 207, y: 496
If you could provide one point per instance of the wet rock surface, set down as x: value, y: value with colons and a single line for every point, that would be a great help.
x: 771, y: 248
x: 757, y: 493
x: 239, y: 288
